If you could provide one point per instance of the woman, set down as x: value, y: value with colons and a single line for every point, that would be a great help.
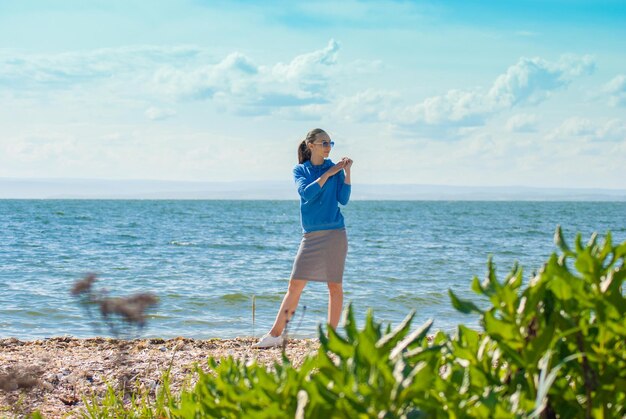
x: 322, y: 186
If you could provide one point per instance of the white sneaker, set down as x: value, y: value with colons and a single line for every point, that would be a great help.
x: 269, y: 341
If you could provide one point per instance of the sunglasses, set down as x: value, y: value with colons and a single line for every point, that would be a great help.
x: 326, y: 144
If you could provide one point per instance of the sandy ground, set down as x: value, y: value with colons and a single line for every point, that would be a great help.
x: 52, y: 375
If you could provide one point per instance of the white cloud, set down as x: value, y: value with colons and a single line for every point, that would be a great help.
x: 231, y: 76
x: 573, y: 127
x: 142, y: 153
x: 613, y: 130
x: 300, y: 88
x: 522, y: 123
x: 616, y: 89
x: 574, y: 66
x: 236, y: 83
x: 309, y: 112
x: 457, y: 107
x: 308, y: 66
x: 238, y: 62
x: 159, y: 114
x: 528, y: 82
x: 533, y: 80
x: 42, y: 148
x: 242, y: 87
x: 64, y: 70
x: 366, y: 106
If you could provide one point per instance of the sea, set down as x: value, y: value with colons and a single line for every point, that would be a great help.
x: 220, y: 268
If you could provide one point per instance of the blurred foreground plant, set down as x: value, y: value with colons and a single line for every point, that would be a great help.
x: 125, y: 318
x: 116, y: 312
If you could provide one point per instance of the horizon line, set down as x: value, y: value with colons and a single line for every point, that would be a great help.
x: 284, y: 182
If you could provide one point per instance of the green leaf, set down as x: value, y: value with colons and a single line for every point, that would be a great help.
x: 592, y: 240
x: 350, y: 324
x: 469, y: 337
x: 371, y: 331
x: 477, y: 287
x: 537, y: 346
x: 514, y: 279
x: 398, y: 333
x: 508, y: 300
x: 501, y: 330
x: 322, y: 337
x: 546, y: 379
x: 490, y: 285
x: 416, y: 336
x: 612, y: 284
x: 512, y: 354
x: 428, y: 353
x: 463, y: 306
x: 339, y: 345
x: 561, y: 288
x: 579, y: 243
x: 620, y: 251
x: 418, y: 379
x: 560, y: 241
x: 585, y: 263
x: 607, y: 247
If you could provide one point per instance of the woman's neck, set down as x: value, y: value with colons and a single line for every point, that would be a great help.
x: 317, y: 160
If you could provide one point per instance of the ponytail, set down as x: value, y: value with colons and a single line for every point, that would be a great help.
x: 304, y: 152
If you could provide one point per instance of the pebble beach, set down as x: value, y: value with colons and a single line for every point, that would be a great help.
x: 53, y: 376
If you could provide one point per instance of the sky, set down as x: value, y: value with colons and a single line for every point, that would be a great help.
x: 475, y: 93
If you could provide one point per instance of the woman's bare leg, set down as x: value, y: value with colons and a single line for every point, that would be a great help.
x: 335, y: 303
x: 288, y: 306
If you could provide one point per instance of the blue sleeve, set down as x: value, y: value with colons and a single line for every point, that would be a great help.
x: 306, y: 191
x: 343, y: 190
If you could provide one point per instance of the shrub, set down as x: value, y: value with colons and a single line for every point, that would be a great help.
x: 559, y: 345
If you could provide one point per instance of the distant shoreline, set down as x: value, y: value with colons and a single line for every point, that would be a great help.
x: 469, y: 200
x: 86, y: 189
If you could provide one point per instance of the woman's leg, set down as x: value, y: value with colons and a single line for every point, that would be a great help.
x: 335, y: 303
x: 288, y: 306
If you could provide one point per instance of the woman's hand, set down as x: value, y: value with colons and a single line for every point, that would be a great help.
x: 347, y: 163
x: 336, y: 168
x: 331, y: 172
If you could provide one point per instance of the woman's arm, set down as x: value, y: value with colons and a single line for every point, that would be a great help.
x: 330, y: 173
x: 308, y: 191
x: 344, y: 187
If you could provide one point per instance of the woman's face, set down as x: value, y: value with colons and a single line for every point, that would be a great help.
x: 321, y: 146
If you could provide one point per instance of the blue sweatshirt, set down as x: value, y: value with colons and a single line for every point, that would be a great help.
x: 319, y: 207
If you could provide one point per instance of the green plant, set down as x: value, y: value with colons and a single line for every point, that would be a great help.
x: 117, y: 404
x: 563, y: 337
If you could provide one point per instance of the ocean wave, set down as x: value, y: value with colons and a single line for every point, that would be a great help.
x: 426, y: 298
x: 181, y: 243
x: 235, y: 298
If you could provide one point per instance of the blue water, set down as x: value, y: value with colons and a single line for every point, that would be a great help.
x: 207, y: 259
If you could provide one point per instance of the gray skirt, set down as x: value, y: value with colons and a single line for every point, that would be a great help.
x: 321, y: 256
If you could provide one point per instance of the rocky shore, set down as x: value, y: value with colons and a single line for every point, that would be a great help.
x: 53, y: 375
